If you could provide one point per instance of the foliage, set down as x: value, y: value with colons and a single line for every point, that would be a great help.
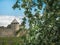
x: 43, y: 29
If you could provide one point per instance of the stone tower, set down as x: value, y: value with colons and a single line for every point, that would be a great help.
x: 15, y: 25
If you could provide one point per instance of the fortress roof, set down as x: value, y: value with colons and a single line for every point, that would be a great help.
x: 15, y: 21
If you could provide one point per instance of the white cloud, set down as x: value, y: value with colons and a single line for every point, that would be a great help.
x: 5, y: 20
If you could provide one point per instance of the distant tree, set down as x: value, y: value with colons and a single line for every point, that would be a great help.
x: 43, y: 29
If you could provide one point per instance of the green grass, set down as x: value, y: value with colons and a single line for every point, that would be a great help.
x: 10, y: 41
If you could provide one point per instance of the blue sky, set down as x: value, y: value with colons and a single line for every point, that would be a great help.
x: 7, y: 14
x: 6, y: 8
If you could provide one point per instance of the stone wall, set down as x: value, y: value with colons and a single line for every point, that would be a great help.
x: 10, y: 30
x: 5, y: 32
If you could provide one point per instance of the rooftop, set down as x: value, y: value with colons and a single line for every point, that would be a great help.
x: 15, y: 21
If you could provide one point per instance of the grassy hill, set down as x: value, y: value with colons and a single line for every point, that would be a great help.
x: 10, y: 41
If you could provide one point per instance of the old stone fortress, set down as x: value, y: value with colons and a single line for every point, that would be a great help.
x: 10, y: 30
